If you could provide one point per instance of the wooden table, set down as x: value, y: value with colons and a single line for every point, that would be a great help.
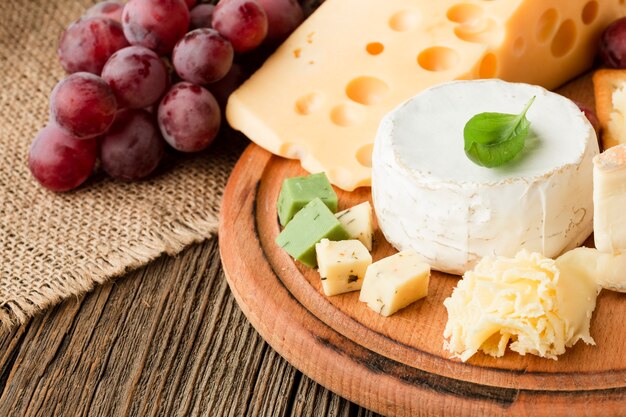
x: 166, y: 340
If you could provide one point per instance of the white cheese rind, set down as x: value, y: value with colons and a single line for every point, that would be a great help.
x: 430, y: 197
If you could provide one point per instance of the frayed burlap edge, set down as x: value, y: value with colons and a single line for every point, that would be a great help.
x: 186, y: 232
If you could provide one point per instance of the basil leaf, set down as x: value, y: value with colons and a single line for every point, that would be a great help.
x: 492, y: 139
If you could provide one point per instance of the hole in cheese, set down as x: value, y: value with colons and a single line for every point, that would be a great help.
x: 487, y: 32
x: 564, y: 39
x: 546, y: 25
x: 438, y: 58
x: 374, y: 48
x: 465, y: 13
x: 488, y: 66
x: 309, y: 103
x: 519, y: 46
x: 345, y: 115
x: 404, y: 20
x: 367, y: 90
x: 292, y: 151
x: 364, y: 155
x: 590, y: 12
x: 339, y: 174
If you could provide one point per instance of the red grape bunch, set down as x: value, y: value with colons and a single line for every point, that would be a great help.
x: 147, y: 75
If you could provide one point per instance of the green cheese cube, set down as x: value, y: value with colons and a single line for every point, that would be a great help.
x: 297, y: 192
x: 309, y: 226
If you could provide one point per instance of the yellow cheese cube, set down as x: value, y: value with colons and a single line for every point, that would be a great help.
x: 358, y: 223
x: 320, y: 97
x: 395, y: 282
x: 342, y: 265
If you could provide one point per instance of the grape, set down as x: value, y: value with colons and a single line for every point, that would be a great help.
x: 189, y: 117
x: 60, y: 162
x: 223, y: 88
x: 133, y: 147
x: 202, y: 56
x: 591, y: 116
x: 613, y: 44
x: 83, y: 104
x: 190, y: 3
x: 137, y: 76
x: 201, y: 16
x: 155, y: 24
x: 242, y: 22
x: 283, y: 16
x: 87, y: 44
x: 110, y: 9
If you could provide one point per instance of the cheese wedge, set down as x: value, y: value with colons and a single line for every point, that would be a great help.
x: 605, y: 269
x: 526, y: 302
x: 609, y: 197
x: 320, y: 97
x: 428, y: 196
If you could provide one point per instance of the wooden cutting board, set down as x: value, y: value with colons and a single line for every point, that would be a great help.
x: 397, y: 365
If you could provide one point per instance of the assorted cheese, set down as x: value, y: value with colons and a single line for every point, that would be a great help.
x: 525, y: 302
x: 395, y: 282
x: 497, y: 226
x: 342, y: 265
x: 431, y: 198
x: 340, y: 247
x: 359, y: 223
x: 329, y: 85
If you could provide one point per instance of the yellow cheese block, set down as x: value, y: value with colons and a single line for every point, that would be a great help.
x: 320, y: 97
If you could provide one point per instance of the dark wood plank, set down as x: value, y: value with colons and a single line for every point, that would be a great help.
x: 166, y: 340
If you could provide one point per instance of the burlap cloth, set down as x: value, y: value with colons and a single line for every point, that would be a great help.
x: 56, y: 245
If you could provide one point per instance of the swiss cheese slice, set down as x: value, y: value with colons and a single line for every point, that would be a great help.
x: 429, y: 197
x: 320, y: 97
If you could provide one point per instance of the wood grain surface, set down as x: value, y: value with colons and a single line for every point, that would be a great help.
x: 167, y: 340
x: 397, y: 365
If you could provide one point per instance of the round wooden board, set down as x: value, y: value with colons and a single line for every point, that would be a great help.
x: 397, y: 365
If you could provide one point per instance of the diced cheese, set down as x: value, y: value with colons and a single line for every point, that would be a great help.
x: 322, y: 94
x: 604, y: 269
x: 342, y: 265
x: 609, y: 197
x: 395, y: 282
x: 359, y: 223
x: 525, y: 302
x: 309, y: 226
x: 297, y: 192
x: 431, y: 198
